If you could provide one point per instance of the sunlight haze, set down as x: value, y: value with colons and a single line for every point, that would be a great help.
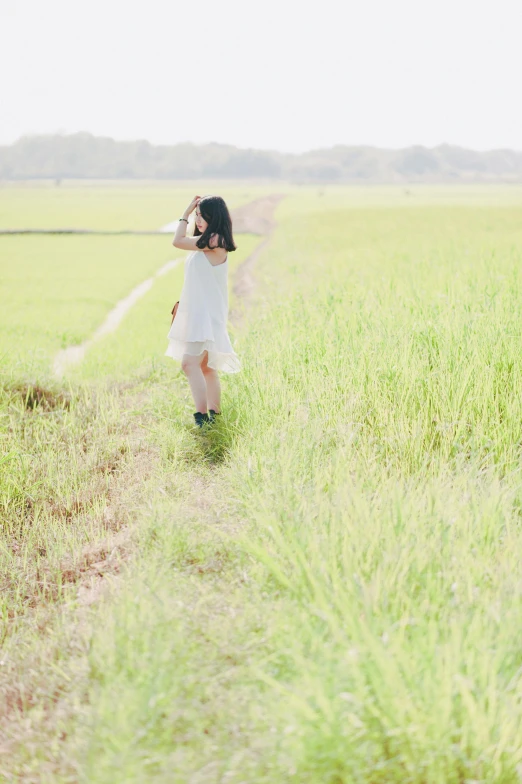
x: 281, y: 76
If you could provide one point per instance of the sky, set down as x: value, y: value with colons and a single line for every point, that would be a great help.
x: 288, y: 75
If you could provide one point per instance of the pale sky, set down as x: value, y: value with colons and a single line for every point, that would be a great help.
x: 289, y: 75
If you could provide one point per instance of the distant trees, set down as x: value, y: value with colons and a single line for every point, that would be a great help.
x: 84, y: 156
x: 417, y: 161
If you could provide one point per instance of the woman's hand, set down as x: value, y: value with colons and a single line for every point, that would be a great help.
x: 192, y: 206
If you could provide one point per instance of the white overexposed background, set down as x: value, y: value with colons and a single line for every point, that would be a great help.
x: 289, y: 76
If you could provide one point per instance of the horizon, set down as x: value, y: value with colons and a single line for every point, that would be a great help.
x: 65, y: 134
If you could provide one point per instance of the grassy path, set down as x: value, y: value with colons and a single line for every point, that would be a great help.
x: 44, y: 645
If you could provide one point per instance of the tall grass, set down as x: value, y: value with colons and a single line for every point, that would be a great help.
x: 327, y: 588
x: 384, y: 494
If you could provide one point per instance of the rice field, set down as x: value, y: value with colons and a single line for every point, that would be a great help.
x: 325, y: 588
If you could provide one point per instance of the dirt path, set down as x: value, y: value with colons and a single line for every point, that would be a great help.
x: 74, y: 354
x: 256, y: 217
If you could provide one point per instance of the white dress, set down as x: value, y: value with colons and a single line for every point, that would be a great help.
x: 202, y: 315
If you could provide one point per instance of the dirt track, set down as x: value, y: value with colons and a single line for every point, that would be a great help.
x: 257, y: 217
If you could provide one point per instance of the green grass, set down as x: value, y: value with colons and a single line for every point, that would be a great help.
x: 144, y: 206
x: 58, y: 290
x: 327, y: 587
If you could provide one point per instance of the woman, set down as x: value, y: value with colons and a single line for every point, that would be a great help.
x: 198, y: 336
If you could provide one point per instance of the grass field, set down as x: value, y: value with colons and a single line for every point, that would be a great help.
x: 327, y: 587
x: 145, y: 206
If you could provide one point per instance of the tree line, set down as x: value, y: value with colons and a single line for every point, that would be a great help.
x: 84, y: 156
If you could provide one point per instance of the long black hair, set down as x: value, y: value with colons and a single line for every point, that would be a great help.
x: 215, y: 212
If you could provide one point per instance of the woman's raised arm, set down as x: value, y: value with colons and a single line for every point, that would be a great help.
x: 180, y: 239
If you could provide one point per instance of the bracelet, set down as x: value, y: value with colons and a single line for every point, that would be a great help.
x: 185, y: 219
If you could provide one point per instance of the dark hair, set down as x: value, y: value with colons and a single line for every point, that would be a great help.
x: 214, y: 210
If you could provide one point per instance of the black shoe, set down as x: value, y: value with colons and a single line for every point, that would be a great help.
x: 200, y: 418
x: 213, y: 414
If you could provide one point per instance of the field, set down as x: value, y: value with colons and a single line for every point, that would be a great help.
x: 325, y: 588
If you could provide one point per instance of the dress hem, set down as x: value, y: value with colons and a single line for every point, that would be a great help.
x: 217, y: 360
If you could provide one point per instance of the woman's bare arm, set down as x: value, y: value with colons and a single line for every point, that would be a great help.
x: 180, y: 239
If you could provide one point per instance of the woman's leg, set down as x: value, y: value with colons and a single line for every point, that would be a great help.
x: 213, y: 386
x: 191, y: 366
